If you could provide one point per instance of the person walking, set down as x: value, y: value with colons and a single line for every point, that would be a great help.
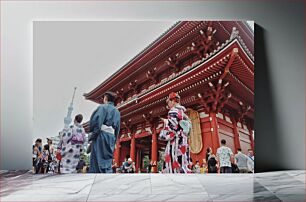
x: 70, y: 145
x: 104, y: 125
x: 225, y: 158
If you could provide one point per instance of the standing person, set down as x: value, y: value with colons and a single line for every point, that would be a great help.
x: 224, y: 157
x: 36, y: 152
x: 251, y: 161
x: 70, y: 145
x: 176, y: 130
x: 44, y: 159
x: 208, y: 153
x: 104, y: 126
x: 51, y: 153
x: 241, y: 161
x: 212, y: 164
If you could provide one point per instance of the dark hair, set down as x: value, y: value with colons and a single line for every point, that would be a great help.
x: 46, y: 147
x: 38, y: 140
x: 239, y: 149
x: 111, y: 97
x: 208, y: 150
x: 197, y: 161
x: 79, y: 118
x: 223, y: 141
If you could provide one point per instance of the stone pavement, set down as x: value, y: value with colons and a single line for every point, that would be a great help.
x: 270, y: 186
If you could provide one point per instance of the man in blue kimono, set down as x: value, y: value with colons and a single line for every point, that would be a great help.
x: 105, y: 126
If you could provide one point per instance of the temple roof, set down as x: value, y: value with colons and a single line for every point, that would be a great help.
x: 173, y: 39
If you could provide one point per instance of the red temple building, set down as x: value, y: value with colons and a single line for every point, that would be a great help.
x: 211, y: 65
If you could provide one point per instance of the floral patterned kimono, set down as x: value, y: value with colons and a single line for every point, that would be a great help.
x: 70, y: 151
x: 175, y: 131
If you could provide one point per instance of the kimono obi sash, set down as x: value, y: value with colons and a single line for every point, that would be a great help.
x: 108, y: 129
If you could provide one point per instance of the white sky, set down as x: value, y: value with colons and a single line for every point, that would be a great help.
x: 82, y: 54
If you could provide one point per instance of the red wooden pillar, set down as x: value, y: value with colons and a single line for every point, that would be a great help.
x: 236, y: 135
x: 154, y: 151
x: 133, y: 147
x: 214, y: 131
x: 117, y: 152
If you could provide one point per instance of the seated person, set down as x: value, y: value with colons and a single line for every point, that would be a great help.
x: 128, y: 166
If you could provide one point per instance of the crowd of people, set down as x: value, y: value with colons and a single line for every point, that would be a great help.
x: 225, y: 161
x: 104, y: 127
x: 66, y: 158
x: 44, y: 160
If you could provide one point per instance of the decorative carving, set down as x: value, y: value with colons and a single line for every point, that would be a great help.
x: 128, y: 125
x: 206, y: 44
x: 150, y: 119
x: 214, y: 99
x: 152, y: 75
x: 174, y: 63
x: 243, y: 111
x: 120, y: 95
x: 134, y: 86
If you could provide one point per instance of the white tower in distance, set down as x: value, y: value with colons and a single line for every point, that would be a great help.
x: 68, y: 119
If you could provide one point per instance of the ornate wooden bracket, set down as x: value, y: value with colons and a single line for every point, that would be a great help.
x: 120, y: 95
x: 217, y: 95
x: 173, y: 62
x: 128, y: 125
x: 207, y: 41
x: 215, y: 99
x: 203, y: 102
x: 243, y: 111
x: 150, y: 119
x: 133, y: 86
x: 197, y: 49
x: 229, y: 63
x: 151, y: 74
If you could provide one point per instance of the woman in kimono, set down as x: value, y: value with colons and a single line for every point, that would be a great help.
x: 176, y: 130
x: 70, y: 145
